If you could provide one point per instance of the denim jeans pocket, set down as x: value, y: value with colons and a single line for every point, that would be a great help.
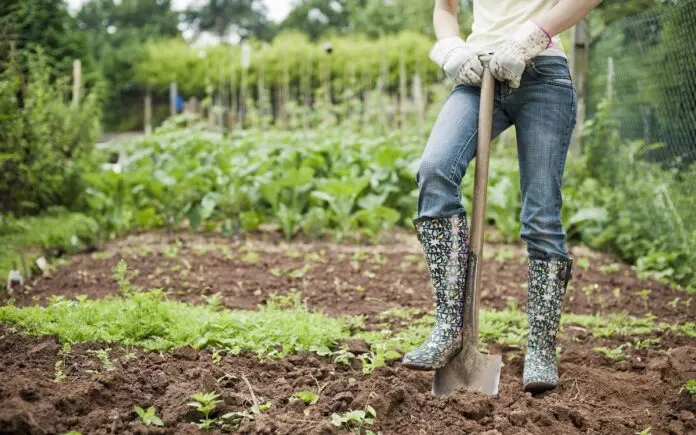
x: 551, y: 70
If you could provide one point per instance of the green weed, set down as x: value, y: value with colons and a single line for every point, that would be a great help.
x: 615, y: 354
x: 308, y: 397
x: 609, y: 268
x: 205, y: 403
x: 690, y: 387
x: 103, y: 357
x: 355, y: 420
x: 149, y: 416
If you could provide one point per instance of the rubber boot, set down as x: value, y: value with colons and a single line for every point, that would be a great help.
x: 548, y: 280
x: 445, y: 243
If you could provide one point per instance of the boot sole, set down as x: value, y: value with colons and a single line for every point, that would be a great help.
x: 419, y: 368
x: 538, y: 387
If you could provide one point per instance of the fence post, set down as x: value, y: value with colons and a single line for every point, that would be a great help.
x: 402, y: 90
x: 77, y: 82
x: 580, y: 64
x: 173, y: 93
x: 148, y: 111
x: 610, y: 78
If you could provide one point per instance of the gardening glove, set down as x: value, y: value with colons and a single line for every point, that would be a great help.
x: 508, y: 63
x: 459, y: 62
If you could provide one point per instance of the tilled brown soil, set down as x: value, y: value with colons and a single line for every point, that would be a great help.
x: 596, y: 396
x: 342, y: 279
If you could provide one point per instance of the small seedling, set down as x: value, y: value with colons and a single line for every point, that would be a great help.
x: 644, y: 295
x: 101, y: 255
x: 610, y: 268
x: 645, y: 431
x: 233, y: 419
x: 690, y: 387
x: 205, y: 403
x: 251, y: 257
x: 616, y: 354
x: 171, y: 251
x: 673, y: 303
x: 217, y: 355
x: 342, y: 356
x: 354, y: 420
x: 299, y: 273
x: 103, y: 356
x: 308, y: 397
x: 584, y: 263
x: 59, y: 375
x: 589, y: 289
x: 148, y: 416
x: 645, y: 344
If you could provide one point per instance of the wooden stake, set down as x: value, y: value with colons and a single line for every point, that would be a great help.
x: 173, y: 93
x: 580, y: 65
x: 77, y: 82
x: 148, y: 111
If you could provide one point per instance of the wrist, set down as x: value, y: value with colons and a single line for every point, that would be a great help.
x: 443, y: 49
x: 532, y: 39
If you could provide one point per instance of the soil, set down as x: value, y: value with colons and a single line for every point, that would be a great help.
x: 595, y: 395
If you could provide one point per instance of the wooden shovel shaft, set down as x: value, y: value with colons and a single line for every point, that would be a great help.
x: 478, y: 213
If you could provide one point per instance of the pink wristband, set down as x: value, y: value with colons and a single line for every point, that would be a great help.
x: 544, y: 30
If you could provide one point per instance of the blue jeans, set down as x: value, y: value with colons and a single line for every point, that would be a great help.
x: 543, y: 112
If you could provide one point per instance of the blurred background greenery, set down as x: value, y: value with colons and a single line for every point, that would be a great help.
x: 318, y: 141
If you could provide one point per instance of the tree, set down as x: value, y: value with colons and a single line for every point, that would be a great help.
x: 243, y: 18
x: 319, y: 17
x: 30, y: 24
x: 118, y: 32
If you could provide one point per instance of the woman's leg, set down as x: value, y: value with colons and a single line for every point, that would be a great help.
x: 441, y: 224
x: 544, y: 110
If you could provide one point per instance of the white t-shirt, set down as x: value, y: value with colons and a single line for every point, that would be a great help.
x: 497, y: 20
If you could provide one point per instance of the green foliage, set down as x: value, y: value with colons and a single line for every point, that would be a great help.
x: 103, y: 356
x: 649, y: 214
x: 147, y: 319
x: 205, y: 403
x: 289, y: 57
x: 354, y: 420
x: 149, y: 416
x: 44, y: 138
x: 614, y: 354
x: 244, y: 18
x: 31, y: 25
x: 118, y: 31
x: 308, y: 397
x: 690, y: 387
x: 26, y: 239
x: 290, y: 178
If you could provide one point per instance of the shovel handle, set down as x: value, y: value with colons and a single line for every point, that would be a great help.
x: 478, y: 213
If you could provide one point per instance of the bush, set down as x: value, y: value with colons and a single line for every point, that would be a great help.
x: 44, y: 139
x: 649, y: 212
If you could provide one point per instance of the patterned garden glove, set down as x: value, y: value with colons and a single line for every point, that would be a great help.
x: 459, y: 62
x: 508, y: 63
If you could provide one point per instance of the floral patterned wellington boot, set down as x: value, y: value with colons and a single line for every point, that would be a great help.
x: 445, y: 242
x: 547, y: 285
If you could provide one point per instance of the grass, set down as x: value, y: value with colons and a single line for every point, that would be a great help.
x: 149, y: 320
x: 284, y: 325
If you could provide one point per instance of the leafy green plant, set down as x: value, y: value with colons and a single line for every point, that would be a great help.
x: 308, y: 397
x: 149, y: 416
x: 615, y: 354
x: 103, y: 356
x: 610, y: 268
x: 205, y: 403
x: 645, y: 343
x: 690, y: 387
x: 354, y: 420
